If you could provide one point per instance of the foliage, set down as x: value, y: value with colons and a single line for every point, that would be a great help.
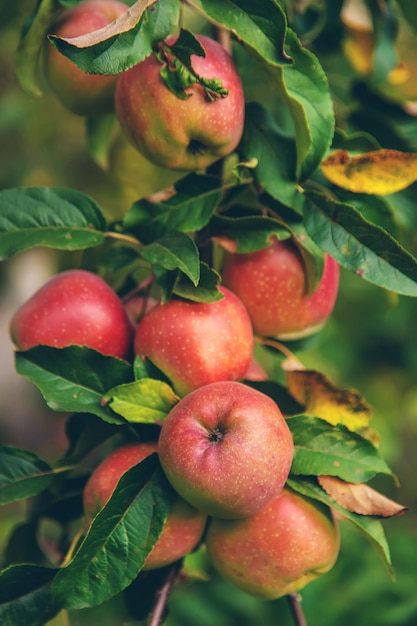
x: 328, y: 158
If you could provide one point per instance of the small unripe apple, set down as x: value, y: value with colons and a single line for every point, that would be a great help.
x: 196, y: 343
x: 272, y: 284
x: 183, y: 134
x: 75, y: 307
x: 82, y: 93
x: 184, y: 526
x: 277, y: 551
x: 226, y: 449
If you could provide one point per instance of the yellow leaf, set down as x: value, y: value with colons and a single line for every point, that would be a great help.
x: 320, y: 398
x: 378, y: 172
x: 360, y: 498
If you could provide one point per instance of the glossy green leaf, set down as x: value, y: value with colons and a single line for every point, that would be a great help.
x: 119, y: 539
x: 205, y: 291
x: 275, y: 152
x: 370, y: 526
x: 65, y: 219
x: 125, y: 44
x: 193, y: 201
x: 22, y: 474
x: 74, y: 379
x: 321, y: 448
x: 248, y: 233
x: 174, y: 250
x: 359, y: 245
x: 143, y: 401
x: 25, y: 595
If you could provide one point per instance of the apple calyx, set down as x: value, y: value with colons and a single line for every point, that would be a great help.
x: 177, y: 71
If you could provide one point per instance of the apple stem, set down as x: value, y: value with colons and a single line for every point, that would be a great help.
x: 291, y: 362
x: 294, y: 601
x: 158, y: 612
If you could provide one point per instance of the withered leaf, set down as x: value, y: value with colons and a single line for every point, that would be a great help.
x: 360, y: 498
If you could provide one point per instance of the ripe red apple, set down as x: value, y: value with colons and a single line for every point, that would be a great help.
x: 272, y: 285
x: 196, y: 343
x: 74, y: 308
x: 184, y: 526
x: 183, y: 134
x: 277, y: 551
x: 226, y: 449
x: 81, y: 93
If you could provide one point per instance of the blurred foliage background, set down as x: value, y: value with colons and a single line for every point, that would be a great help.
x: 370, y: 343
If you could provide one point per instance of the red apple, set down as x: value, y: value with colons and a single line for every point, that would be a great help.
x: 226, y: 449
x: 81, y: 93
x: 184, y: 526
x: 272, y: 285
x: 277, y: 551
x: 196, y: 343
x: 74, y: 308
x: 183, y: 134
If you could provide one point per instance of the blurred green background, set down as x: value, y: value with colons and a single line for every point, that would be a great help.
x: 370, y: 344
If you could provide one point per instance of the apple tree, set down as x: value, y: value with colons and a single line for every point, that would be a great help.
x: 172, y: 342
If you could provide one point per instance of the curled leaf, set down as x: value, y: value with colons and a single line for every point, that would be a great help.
x: 377, y: 172
x: 360, y: 498
x: 320, y: 398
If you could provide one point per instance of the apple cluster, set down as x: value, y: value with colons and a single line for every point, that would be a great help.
x: 225, y: 447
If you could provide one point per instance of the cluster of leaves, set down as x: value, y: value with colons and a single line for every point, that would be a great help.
x: 302, y: 174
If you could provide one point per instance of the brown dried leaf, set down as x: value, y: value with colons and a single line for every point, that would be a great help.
x: 122, y: 24
x: 360, y: 498
x: 320, y: 398
x: 377, y: 172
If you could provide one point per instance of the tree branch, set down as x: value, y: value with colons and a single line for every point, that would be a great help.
x: 294, y: 602
x: 158, y: 611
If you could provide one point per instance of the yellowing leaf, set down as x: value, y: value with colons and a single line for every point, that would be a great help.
x: 378, y: 172
x: 320, y: 398
x: 360, y: 498
x: 143, y: 401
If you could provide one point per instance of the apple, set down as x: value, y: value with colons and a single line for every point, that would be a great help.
x: 196, y: 343
x: 75, y: 307
x: 81, y: 93
x: 182, y: 134
x: 184, y: 526
x: 277, y: 551
x: 226, y: 449
x: 272, y: 285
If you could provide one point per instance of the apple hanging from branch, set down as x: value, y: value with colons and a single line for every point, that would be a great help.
x: 193, y: 127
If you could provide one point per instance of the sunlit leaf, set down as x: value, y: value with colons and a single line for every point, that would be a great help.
x: 22, y: 474
x: 174, y: 250
x: 361, y: 499
x: 143, y: 401
x: 377, y: 172
x: 320, y: 398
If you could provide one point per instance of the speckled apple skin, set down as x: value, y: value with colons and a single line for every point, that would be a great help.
x: 81, y: 93
x: 76, y: 307
x: 184, y: 526
x: 272, y: 285
x: 196, y: 343
x: 278, y: 550
x: 161, y: 125
x: 226, y: 449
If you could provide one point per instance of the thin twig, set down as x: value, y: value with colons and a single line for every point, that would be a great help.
x: 157, y: 614
x: 294, y: 602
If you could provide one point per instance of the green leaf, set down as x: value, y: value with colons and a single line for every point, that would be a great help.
x: 22, y: 474
x: 126, y: 43
x: 85, y: 431
x: 174, y: 250
x: 295, y: 72
x: 190, y: 207
x: 359, y: 245
x: 408, y: 8
x: 56, y: 218
x: 249, y: 233
x: 74, y: 379
x: 30, y: 47
x: 205, y: 291
x: 119, y: 539
x: 25, y: 595
x: 99, y: 136
x: 370, y: 526
x: 143, y: 401
x: 321, y: 448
